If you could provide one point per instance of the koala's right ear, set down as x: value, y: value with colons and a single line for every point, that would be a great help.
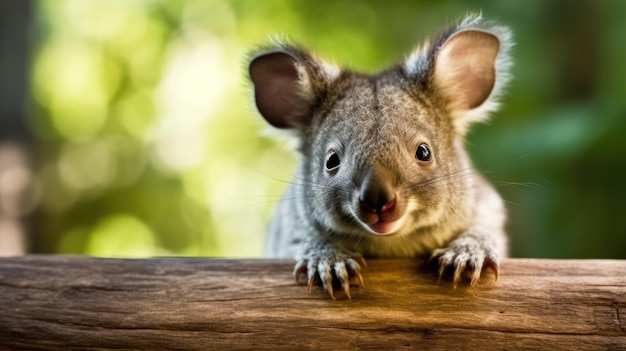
x: 287, y: 82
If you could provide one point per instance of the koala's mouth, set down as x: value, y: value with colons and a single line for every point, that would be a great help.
x: 384, y: 222
x: 384, y: 228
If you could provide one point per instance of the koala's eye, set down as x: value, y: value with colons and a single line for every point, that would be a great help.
x: 332, y: 161
x: 423, y: 153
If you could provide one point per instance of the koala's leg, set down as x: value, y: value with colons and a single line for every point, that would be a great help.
x: 480, y: 246
x: 324, y: 261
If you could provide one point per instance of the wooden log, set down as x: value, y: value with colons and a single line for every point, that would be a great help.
x: 61, y: 303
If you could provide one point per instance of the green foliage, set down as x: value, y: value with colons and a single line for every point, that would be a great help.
x: 150, y: 143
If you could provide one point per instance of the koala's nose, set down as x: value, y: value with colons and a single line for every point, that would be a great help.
x: 377, y: 193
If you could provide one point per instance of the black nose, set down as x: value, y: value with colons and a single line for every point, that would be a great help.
x: 377, y: 191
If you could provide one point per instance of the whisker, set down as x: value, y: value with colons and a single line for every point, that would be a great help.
x: 319, y: 185
x: 530, y: 185
x: 466, y: 172
x: 544, y: 180
x: 511, y: 202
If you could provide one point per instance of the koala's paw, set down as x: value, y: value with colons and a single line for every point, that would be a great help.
x: 329, y: 266
x: 466, y: 254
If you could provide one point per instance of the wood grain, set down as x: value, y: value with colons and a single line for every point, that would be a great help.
x: 61, y: 303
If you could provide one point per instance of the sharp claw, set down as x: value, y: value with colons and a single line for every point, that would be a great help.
x: 311, y: 275
x: 326, y: 276
x: 445, y: 260
x: 436, y: 254
x: 457, y: 276
x: 478, y: 268
x: 494, y: 267
x: 346, y: 289
x: 475, y: 277
x: 342, y: 273
x: 442, y: 270
x: 360, y: 278
x: 299, y: 269
x: 296, y: 275
x: 312, y: 282
x: 355, y: 271
x: 491, y: 261
x: 362, y: 262
x: 329, y: 288
x: 473, y: 283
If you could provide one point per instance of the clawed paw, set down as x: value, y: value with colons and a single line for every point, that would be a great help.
x: 341, y: 268
x: 466, y: 256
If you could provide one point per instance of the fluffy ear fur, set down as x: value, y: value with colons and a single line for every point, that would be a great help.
x: 287, y: 83
x: 467, y: 67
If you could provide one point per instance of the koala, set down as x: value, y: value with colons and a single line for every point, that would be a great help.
x: 384, y: 171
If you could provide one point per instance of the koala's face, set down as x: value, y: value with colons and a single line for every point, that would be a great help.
x: 380, y: 161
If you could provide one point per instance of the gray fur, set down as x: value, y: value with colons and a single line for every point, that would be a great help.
x: 448, y: 210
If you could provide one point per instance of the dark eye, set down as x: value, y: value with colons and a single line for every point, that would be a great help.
x: 332, y: 161
x: 423, y: 153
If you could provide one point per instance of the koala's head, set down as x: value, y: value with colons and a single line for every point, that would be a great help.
x: 383, y: 153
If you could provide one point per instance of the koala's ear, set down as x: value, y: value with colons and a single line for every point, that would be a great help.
x: 275, y: 79
x: 287, y: 82
x: 466, y: 68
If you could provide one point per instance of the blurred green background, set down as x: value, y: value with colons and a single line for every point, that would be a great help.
x: 137, y: 134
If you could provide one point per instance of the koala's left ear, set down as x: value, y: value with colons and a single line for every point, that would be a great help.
x: 467, y: 69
